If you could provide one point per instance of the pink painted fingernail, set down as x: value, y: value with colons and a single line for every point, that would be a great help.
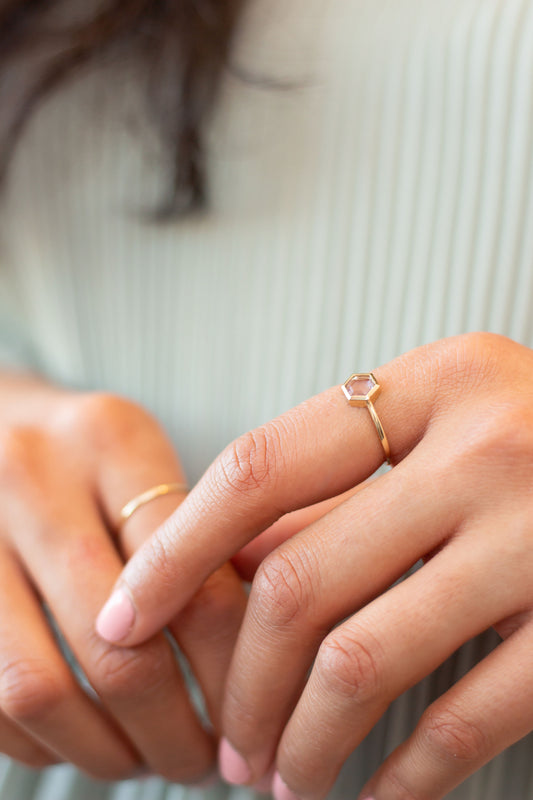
x: 281, y: 791
x: 116, y: 618
x: 233, y: 767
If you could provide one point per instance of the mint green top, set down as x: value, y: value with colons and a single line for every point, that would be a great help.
x: 382, y: 199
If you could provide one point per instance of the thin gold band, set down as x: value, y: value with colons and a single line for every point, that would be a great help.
x: 150, y: 494
x: 379, y: 427
x: 361, y: 389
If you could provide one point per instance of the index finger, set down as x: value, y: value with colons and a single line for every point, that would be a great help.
x: 317, y: 450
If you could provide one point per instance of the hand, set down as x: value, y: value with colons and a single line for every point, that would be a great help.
x: 68, y: 463
x: 459, y: 419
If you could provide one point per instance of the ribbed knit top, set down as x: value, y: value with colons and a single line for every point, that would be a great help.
x: 371, y: 190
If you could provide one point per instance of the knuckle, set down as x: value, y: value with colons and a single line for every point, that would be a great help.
x: 112, y: 420
x: 511, y: 435
x: 451, y: 736
x: 31, y: 690
x: 251, y: 461
x: 472, y: 346
x: 471, y: 355
x: 281, y: 589
x: 502, y: 435
x: 120, y: 674
x: 349, y: 665
x: 459, y: 364
x: 19, y: 447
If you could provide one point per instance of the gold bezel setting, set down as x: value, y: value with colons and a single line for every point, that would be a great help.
x: 372, y: 389
x: 370, y: 395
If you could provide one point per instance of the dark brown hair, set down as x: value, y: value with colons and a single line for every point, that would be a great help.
x: 185, y: 44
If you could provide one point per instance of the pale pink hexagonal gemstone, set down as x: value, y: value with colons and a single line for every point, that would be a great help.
x: 359, y: 387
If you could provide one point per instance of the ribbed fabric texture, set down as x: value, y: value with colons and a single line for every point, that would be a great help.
x: 372, y: 190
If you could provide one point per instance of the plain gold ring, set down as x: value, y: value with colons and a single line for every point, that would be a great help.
x: 150, y: 494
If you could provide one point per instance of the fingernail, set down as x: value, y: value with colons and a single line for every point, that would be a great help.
x: 116, y: 618
x: 233, y: 767
x: 265, y: 784
x: 281, y: 791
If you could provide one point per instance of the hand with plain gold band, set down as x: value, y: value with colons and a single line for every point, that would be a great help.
x: 69, y: 462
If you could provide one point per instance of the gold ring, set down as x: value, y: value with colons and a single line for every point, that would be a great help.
x: 149, y: 494
x: 361, y: 389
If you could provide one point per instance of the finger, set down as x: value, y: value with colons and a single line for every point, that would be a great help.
x: 387, y: 647
x: 20, y: 746
x: 322, y: 575
x: 38, y: 692
x: 483, y: 714
x: 142, y: 688
x: 123, y: 473
x: 317, y: 450
x: 207, y: 628
x: 247, y: 560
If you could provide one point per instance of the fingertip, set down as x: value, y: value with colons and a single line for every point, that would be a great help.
x: 117, y: 617
x: 233, y: 766
x: 281, y: 791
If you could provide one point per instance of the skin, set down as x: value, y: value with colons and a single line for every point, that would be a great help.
x: 69, y: 461
x: 326, y: 645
